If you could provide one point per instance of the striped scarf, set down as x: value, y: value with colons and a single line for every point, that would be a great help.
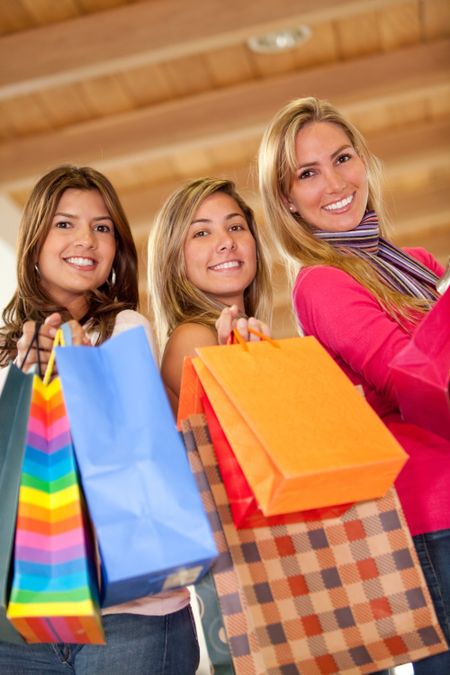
x: 398, y: 269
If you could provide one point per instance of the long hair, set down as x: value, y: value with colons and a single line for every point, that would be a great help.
x: 173, y: 298
x: 291, y: 234
x: 30, y: 301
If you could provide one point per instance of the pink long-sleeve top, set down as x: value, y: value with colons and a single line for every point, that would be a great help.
x: 362, y: 338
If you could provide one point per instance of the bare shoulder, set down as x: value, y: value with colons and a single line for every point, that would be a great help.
x: 187, y: 336
x: 183, y: 342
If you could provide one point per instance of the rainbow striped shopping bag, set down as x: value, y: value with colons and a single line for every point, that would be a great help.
x: 54, y: 590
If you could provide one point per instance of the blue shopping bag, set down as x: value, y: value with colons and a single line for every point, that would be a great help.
x: 151, y: 527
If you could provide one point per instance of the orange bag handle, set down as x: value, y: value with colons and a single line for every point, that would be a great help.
x: 236, y: 338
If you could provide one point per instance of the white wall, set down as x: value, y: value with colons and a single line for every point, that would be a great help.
x: 7, y: 273
x: 9, y: 223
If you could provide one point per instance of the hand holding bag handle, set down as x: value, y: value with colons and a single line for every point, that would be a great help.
x: 236, y: 337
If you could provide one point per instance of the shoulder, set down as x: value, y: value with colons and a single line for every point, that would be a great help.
x: 426, y: 258
x: 187, y: 336
x: 325, y: 296
x: 324, y: 281
x: 182, y: 342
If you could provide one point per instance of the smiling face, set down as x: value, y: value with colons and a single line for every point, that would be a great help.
x: 330, y: 188
x: 220, y: 251
x: 79, y: 250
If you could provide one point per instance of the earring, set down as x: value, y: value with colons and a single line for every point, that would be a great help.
x: 36, y: 269
x: 112, y: 280
x: 291, y: 208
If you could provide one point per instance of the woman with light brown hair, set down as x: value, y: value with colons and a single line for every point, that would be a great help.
x: 207, y: 273
x: 361, y: 297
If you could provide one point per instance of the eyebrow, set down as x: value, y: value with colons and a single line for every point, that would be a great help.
x: 72, y: 215
x: 229, y: 216
x: 332, y: 156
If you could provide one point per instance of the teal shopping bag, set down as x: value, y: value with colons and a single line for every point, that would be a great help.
x: 14, y: 412
x: 151, y: 528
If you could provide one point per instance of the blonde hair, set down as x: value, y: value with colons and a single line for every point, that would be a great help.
x: 293, y: 236
x: 172, y: 297
x: 30, y: 301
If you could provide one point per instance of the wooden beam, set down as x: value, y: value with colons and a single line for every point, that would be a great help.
x: 149, y: 32
x: 228, y: 114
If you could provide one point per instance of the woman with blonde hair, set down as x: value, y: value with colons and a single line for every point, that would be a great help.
x: 205, y: 264
x: 361, y: 297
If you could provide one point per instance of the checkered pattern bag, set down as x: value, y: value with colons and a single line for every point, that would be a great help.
x: 343, y: 595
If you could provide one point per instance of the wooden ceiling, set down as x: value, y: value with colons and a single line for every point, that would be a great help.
x: 155, y: 92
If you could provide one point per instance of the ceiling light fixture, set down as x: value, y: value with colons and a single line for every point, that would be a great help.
x: 279, y: 41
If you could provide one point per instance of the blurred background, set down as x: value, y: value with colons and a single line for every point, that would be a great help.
x: 155, y: 92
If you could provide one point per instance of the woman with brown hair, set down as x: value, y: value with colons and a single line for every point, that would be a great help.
x: 77, y: 262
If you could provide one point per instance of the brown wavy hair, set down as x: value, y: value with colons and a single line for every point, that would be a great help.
x: 30, y: 302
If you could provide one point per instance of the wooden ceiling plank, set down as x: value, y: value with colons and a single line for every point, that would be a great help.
x: 64, y: 106
x: 107, y: 96
x: 189, y: 75
x: 148, y: 84
x: 44, y: 12
x: 229, y: 114
x: 229, y: 65
x: 133, y: 35
x: 14, y: 17
x: 29, y: 119
x: 400, y: 25
x: 436, y: 17
x: 358, y: 35
x: 321, y: 47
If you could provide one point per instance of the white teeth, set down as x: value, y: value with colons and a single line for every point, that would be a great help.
x: 81, y: 262
x: 226, y: 265
x: 339, y: 205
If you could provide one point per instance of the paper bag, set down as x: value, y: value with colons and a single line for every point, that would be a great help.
x: 302, y: 434
x: 140, y: 491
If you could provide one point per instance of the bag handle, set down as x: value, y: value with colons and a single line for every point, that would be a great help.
x: 34, y: 339
x: 236, y: 338
x: 58, y: 341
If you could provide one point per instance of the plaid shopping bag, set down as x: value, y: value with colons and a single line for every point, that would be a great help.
x: 343, y: 595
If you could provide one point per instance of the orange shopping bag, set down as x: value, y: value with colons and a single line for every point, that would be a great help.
x: 302, y: 434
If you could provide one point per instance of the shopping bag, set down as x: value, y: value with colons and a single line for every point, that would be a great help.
x: 14, y: 411
x: 140, y: 491
x: 302, y: 434
x: 341, y: 595
x: 217, y: 645
x: 243, y: 505
x: 54, y: 595
x: 191, y: 393
x: 421, y: 371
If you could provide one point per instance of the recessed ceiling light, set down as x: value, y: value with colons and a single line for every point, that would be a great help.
x: 279, y: 41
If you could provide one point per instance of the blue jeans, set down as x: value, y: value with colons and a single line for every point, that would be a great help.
x: 135, y: 645
x: 433, y: 550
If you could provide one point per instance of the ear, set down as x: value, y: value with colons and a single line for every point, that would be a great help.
x: 288, y: 204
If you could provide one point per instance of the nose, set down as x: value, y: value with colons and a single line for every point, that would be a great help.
x: 85, y: 236
x: 226, y: 242
x: 335, y: 181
